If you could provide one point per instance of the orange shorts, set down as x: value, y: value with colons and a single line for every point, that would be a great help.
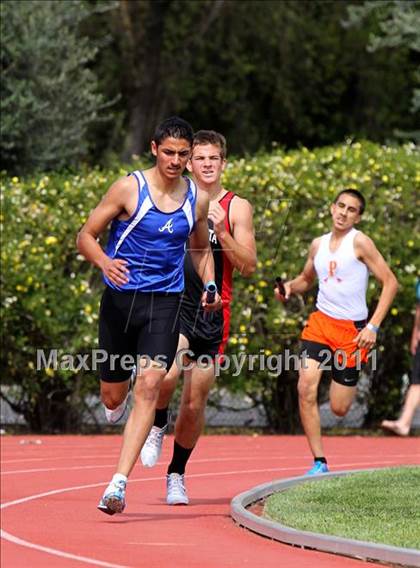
x: 336, y: 336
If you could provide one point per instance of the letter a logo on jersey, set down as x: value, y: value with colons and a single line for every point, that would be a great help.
x: 168, y: 226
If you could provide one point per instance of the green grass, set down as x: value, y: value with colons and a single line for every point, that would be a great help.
x: 381, y: 506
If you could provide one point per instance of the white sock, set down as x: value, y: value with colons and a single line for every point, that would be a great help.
x: 119, y: 477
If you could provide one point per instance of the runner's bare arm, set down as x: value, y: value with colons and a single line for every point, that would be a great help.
x: 240, y: 247
x: 306, y: 278
x: 113, y: 204
x: 367, y: 252
x: 200, y: 250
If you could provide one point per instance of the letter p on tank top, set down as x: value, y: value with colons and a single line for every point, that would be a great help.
x: 343, y: 280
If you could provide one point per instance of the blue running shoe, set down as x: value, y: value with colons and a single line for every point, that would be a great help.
x: 113, y: 500
x: 317, y: 468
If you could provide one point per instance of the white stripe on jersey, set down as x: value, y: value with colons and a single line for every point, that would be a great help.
x: 145, y: 207
x: 189, y: 214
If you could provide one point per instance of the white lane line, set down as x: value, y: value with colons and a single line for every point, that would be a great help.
x: 163, y: 543
x: 50, y: 469
x: 63, y: 458
x: 193, y: 461
x: 60, y: 553
x: 56, y: 552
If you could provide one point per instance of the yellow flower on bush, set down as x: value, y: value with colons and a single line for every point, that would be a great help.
x: 15, y: 179
x: 262, y: 284
x: 88, y: 309
x: 394, y: 311
x: 410, y: 243
x: 242, y: 328
x: 51, y: 240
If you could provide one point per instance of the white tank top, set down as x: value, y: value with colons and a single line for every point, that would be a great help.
x: 343, y: 280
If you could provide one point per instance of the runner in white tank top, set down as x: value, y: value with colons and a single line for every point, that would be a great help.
x: 336, y: 335
x: 342, y: 279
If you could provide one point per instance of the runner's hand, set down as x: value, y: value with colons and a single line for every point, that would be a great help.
x: 214, y: 306
x: 280, y: 297
x: 365, y: 339
x: 115, y: 269
x: 218, y: 215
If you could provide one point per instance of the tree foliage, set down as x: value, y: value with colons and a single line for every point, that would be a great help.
x: 49, y: 92
x: 398, y: 28
x: 258, y: 71
x: 289, y: 72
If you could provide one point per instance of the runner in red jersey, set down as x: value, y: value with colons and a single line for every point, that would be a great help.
x: 231, y: 235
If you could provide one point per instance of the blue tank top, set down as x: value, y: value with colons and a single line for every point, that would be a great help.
x: 153, y: 242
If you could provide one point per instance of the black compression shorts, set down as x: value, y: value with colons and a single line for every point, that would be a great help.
x: 203, y: 331
x: 347, y: 376
x: 136, y: 324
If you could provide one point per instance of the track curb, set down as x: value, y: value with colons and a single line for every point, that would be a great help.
x: 305, y: 539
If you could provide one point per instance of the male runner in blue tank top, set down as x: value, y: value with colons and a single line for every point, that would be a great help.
x: 153, y: 214
x: 231, y: 234
x: 338, y: 331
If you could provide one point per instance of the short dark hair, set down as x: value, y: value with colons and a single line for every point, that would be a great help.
x: 203, y: 137
x: 173, y: 127
x: 355, y: 194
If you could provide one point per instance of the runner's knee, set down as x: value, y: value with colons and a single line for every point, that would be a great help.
x: 148, y: 384
x: 308, y: 392
x: 339, y: 408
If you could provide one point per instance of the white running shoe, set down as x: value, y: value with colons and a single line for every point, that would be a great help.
x: 152, y: 448
x: 176, y: 494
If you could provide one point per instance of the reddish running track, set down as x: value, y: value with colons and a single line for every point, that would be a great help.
x: 50, y: 492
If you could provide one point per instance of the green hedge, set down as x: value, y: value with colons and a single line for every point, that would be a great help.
x: 50, y: 295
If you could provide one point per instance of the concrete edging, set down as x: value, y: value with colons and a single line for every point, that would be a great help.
x: 306, y: 539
